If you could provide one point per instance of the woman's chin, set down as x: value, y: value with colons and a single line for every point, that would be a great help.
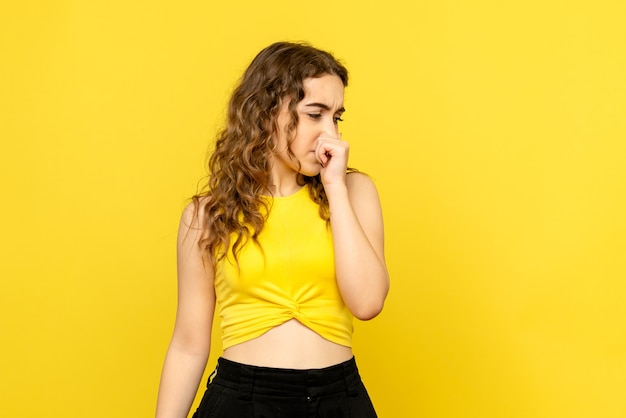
x: 310, y: 170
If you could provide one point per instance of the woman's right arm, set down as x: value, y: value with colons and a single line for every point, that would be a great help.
x: 191, y: 341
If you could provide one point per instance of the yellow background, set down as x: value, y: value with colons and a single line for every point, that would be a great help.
x: 495, y: 131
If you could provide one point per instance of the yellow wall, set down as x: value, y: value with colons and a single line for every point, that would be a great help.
x: 495, y: 131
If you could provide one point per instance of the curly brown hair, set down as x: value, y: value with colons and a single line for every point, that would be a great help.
x: 239, y: 168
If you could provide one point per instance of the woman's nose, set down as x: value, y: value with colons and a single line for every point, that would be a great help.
x: 330, y: 127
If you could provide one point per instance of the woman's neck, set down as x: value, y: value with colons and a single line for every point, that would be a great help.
x: 284, y: 181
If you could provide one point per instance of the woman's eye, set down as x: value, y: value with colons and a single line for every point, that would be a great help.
x: 315, y: 115
x: 338, y: 119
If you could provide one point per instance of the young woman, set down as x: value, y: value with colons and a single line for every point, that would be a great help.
x: 287, y: 242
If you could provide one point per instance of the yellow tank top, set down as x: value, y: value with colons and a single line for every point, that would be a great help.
x: 291, y: 276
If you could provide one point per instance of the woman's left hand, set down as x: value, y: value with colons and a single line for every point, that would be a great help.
x: 332, y: 153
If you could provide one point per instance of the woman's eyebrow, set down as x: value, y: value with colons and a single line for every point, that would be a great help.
x: 325, y: 106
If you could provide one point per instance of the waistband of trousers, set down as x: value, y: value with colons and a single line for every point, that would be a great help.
x: 276, y: 381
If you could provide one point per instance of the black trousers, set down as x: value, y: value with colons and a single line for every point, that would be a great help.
x: 242, y: 391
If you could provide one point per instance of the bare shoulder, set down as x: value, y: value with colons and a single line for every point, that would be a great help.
x: 192, y: 221
x: 193, y: 213
x: 361, y: 187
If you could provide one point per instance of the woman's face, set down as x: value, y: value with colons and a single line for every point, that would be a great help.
x: 319, y: 113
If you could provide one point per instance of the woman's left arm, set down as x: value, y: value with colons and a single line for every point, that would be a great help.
x: 358, y: 234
